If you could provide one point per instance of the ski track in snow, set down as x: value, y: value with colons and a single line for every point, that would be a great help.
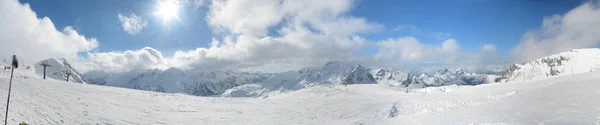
x: 557, y: 100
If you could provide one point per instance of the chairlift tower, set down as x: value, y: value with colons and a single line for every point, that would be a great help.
x: 45, y: 64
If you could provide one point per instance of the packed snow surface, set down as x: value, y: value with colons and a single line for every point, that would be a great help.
x: 557, y: 100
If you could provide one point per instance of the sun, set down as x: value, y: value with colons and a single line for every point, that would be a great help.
x: 168, y: 10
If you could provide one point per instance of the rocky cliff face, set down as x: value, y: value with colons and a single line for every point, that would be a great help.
x: 393, y: 78
x: 359, y: 75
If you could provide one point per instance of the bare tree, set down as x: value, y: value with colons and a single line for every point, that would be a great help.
x: 45, y: 64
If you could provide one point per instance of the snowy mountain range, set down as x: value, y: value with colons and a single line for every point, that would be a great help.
x: 439, y: 78
x: 331, y: 73
x: 302, y: 94
x: 201, y: 82
x: 567, y: 63
x: 348, y: 73
x: 173, y: 80
x: 244, y: 84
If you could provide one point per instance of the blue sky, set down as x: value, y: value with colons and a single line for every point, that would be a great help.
x: 99, y: 19
x: 472, y: 22
x: 280, y: 35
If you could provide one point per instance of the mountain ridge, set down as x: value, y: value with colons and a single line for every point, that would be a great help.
x: 565, y: 63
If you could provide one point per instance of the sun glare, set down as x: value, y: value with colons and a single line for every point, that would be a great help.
x: 168, y: 10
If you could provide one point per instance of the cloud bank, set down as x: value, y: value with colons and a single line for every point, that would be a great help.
x: 33, y: 39
x: 306, y: 34
x: 578, y: 28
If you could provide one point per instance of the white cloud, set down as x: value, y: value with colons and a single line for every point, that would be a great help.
x: 132, y: 24
x: 308, y: 34
x: 33, y: 39
x: 489, y: 48
x: 450, y: 46
x: 578, y: 28
x: 243, y: 16
x: 410, y: 49
x: 414, y: 55
x: 124, y: 61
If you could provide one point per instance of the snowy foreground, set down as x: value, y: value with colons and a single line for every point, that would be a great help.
x: 558, y: 100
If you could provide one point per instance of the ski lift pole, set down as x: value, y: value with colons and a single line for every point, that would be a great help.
x: 15, y: 64
x: 8, y: 99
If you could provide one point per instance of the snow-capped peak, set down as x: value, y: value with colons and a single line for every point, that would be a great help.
x: 460, y: 71
x: 339, y: 67
x: 444, y: 71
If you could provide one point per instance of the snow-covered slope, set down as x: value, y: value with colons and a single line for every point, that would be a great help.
x: 564, y: 100
x: 566, y: 63
x: 173, y: 80
x: 58, y: 70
